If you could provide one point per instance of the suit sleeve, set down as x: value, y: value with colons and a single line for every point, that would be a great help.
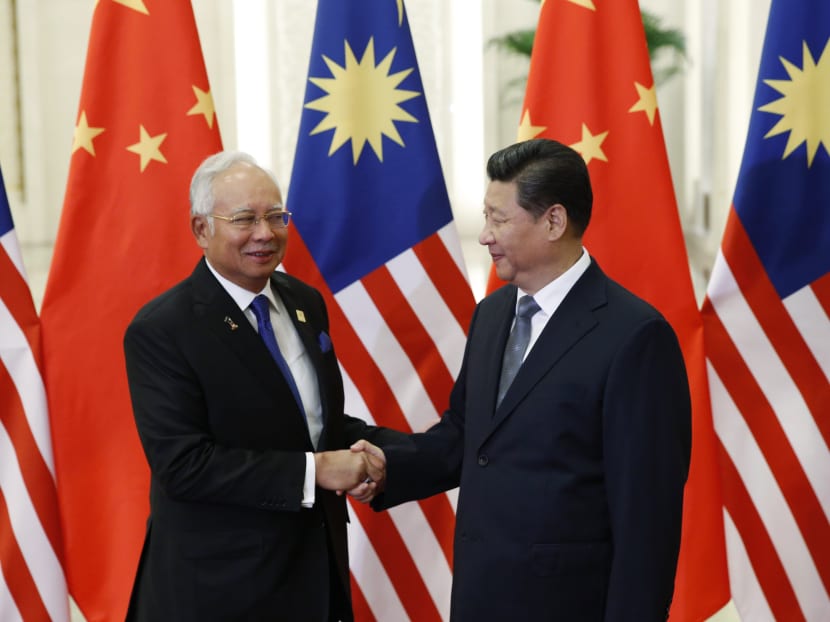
x: 427, y: 463
x: 185, y: 458
x: 647, y: 444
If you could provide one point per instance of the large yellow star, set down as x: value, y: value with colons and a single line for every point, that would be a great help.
x: 804, y: 103
x: 588, y: 4
x: 527, y: 130
x: 148, y: 147
x: 591, y: 145
x: 204, y: 105
x: 647, y: 102
x: 84, y: 135
x: 135, y: 5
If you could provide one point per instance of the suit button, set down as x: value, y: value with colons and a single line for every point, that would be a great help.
x: 483, y: 460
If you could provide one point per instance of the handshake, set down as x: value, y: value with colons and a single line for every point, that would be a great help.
x: 360, y: 470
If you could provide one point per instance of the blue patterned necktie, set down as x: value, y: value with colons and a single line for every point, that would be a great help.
x: 263, y: 322
x: 514, y: 352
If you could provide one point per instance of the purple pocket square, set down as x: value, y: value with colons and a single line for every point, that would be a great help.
x: 325, y: 342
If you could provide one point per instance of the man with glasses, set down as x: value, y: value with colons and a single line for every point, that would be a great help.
x: 238, y: 401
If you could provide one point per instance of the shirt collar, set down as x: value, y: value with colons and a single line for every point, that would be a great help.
x: 241, y: 296
x: 551, y: 295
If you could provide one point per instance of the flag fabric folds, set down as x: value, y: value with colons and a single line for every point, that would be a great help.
x: 32, y: 582
x: 590, y: 86
x: 145, y: 122
x: 374, y: 232
x: 767, y: 331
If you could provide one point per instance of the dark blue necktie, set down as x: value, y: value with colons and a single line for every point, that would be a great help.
x: 263, y: 322
x: 514, y: 351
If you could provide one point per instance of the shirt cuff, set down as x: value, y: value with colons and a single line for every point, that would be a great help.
x: 308, y: 483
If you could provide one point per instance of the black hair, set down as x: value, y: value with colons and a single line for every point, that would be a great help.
x: 546, y: 172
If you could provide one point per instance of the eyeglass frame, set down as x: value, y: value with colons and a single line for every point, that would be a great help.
x: 275, y: 211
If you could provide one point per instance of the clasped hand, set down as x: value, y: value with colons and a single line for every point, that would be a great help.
x: 360, y: 471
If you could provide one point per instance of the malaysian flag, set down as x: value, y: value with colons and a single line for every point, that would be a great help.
x: 376, y: 236
x: 768, y: 333
x: 32, y: 583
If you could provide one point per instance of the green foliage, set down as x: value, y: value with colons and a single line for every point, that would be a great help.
x: 659, y: 39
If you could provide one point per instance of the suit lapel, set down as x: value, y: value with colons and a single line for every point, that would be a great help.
x: 222, y: 317
x: 572, y: 320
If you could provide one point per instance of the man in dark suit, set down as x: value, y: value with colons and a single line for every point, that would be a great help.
x: 246, y: 441
x: 571, y: 474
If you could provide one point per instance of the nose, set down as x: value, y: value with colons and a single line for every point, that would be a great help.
x: 485, y: 238
x: 262, y: 230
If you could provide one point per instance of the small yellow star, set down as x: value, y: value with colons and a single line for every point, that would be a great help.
x: 84, y: 135
x: 591, y: 145
x: 527, y: 130
x: 204, y: 105
x: 588, y: 4
x: 647, y: 102
x: 135, y: 5
x: 148, y: 147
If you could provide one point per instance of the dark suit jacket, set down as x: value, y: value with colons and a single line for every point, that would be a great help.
x: 571, y: 491
x: 227, y: 538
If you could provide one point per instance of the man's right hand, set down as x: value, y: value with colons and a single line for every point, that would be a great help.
x: 344, y: 469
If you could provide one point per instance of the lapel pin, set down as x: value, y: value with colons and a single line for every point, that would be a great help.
x: 231, y: 323
x: 300, y: 315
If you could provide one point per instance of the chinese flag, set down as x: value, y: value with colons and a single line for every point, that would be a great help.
x: 590, y: 86
x: 145, y: 122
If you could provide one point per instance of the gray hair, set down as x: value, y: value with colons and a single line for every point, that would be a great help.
x: 202, y: 199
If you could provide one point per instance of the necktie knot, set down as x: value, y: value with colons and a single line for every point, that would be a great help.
x: 527, y: 307
x: 260, y: 308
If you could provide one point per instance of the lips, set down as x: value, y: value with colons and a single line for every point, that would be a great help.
x: 261, y: 255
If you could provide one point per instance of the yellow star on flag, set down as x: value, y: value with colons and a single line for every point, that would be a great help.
x: 135, y: 5
x: 527, y: 130
x: 647, y: 102
x: 148, y: 147
x: 84, y: 135
x: 588, y: 4
x: 591, y: 145
x: 204, y: 105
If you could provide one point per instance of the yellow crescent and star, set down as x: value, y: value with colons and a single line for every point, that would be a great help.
x: 804, y: 105
x: 362, y: 101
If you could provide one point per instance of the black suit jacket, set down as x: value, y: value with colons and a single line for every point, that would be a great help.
x: 571, y: 490
x: 227, y: 538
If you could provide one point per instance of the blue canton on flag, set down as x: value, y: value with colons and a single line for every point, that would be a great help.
x: 783, y: 191
x: 366, y: 183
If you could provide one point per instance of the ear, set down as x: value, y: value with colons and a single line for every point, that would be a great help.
x: 200, y: 228
x: 556, y: 218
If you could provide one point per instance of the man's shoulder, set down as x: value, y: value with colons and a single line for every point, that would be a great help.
x: 284, y: 281
x: 168, y: 302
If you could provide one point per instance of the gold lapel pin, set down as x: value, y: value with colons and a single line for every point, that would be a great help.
x: 300, y: 315
x: 231, y: 323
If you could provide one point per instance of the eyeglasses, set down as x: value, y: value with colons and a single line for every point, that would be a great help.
x: 275, y: 219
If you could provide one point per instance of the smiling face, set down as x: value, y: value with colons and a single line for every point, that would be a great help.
x: 244, y: 257
x: 523, y: 249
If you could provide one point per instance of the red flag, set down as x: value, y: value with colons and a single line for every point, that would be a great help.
x: 145, y: 122
x: 767, y: 331
x: 590, y: 86
x: 32, y: 583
